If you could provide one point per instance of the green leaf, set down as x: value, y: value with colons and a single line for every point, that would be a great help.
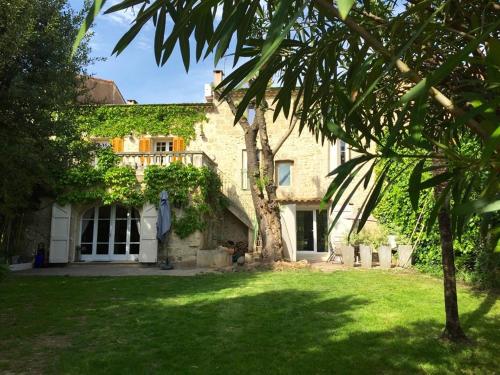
x: 481, y: 206
x: 414, y: 184
x: 92, y: 14
x: 344, y: 7
x: 184, y: 45
x: 435, y: 180
x: 373, y: 199
x: 437, y: 206
x: 160, y: 34
x: 445, y: 69
x: 276, y: 33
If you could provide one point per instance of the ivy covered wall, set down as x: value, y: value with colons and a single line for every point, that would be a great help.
x: 121, y: 120
x: 196, y: 192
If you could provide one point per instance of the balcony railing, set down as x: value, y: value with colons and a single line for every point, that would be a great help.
x: 141, y: 160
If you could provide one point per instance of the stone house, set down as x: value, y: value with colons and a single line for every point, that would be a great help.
x: 116, y: 233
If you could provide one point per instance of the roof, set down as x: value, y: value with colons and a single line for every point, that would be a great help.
x: 101, y: 91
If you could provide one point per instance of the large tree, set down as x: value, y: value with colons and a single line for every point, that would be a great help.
x: 261, y: 173
x: 383, y: 76
x: 39, y: 79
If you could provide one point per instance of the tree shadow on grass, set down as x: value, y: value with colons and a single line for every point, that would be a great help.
x: 276, y: 332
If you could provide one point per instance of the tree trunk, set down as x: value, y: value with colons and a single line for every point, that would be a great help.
x: 266, y: 208
x: 262, y: 186
x: 452, y: 331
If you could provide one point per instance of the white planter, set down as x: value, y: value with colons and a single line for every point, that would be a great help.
x: 404, y: 255
x: 385, y: 257
x: 365, y: 253
x: 347, y: 255
x: 20, y: 266
x: 213, y: 258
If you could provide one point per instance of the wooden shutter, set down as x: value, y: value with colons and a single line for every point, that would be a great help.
x: 59, y: 234
x: 145, y: 146
x: 148, y: 249
x: 178, y: 146
x: 288, y: 213
x: 117, y: 144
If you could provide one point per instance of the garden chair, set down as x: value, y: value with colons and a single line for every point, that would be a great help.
x: 335, y: 252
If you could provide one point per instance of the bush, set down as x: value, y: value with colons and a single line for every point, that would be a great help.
x: 396, y: 213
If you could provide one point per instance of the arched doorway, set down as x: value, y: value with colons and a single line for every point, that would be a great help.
x: 110, y: 233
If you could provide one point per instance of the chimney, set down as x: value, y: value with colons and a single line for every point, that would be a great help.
x: 218, y: 76
x: 131, y: 101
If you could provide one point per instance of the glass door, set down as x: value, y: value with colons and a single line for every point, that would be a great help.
x: 110, y: 233
x: 312, y: 230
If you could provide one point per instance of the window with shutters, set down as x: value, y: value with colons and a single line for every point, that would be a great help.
x: 164, y: 146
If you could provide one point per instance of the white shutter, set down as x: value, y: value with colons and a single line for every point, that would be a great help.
x: 289, y: 231
x: 59, y: 233
x: 148, y: 250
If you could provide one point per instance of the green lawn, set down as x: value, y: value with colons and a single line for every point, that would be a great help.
x: 298, y: 322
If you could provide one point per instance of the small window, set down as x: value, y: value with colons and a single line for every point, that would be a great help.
x: 251, y: 115
x: 284, y: 173
x: 342, y: 152
x: 102, y: 143
x: 163, y: 146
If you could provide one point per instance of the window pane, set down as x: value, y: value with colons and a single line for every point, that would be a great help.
x: 322, y: 227
x: 120, y: 248
x: 103, y: 231
x: 161, y: 146
x: 102, y: 248
x: 343, y: 152
x: 89, y: 214
x: 104, y: 212
x: 284, y: 174
x: 87, y: 231
x: 305, y: 237
x: 134, y: 231
x: 121, y: 231
x: 134, y: 248
x: 170, y: 146
x: 135, y: 213
x: 121, y: 212
x: 86, y: 248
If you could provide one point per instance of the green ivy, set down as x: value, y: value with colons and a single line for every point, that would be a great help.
x: 122, y: 120
x: 196, y: 192
x: 395, y: 213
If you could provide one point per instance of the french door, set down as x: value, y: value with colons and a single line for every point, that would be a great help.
x: 312, y: 230
x: 110, y: 233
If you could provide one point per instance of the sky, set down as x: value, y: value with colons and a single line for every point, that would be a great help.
x: 135, y: 70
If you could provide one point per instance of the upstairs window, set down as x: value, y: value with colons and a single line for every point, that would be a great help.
x: 251, y: 115
x: 342, y: 152
x: 284, y: 173
x: 164, y: 146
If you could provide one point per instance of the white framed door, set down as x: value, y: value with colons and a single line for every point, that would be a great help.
x: 110, y: 233
x: 312, y: 231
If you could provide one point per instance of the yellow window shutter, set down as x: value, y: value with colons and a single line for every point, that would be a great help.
x: 117, y: 144
x: 179, y: 144
x: 144, y: 145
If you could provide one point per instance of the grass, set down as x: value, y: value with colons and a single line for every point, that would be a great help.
x: 295, y: 322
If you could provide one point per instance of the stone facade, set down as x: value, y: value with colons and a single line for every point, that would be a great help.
x: 220, y: 144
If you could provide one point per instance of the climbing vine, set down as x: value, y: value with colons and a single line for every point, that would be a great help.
x: 194, y: 192
x: 122, y: 120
